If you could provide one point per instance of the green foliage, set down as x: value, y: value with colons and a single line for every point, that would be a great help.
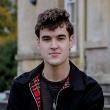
x: 8, y: 19
x: 8, y: 47
x: 5, y: 21
x: 8, y: 65
x: 5, y: 3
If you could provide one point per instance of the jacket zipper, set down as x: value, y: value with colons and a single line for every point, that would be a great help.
x: 66, y: 85
x: 55, y: 104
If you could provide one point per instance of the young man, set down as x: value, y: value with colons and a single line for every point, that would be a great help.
x: 56, y: 84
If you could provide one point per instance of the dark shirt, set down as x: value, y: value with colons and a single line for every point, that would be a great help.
x: 49, y: 91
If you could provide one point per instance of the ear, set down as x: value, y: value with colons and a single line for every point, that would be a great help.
x: 71, y: 41
x: 38, y: 42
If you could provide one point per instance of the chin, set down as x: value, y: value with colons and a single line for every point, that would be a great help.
x: 55, y: 62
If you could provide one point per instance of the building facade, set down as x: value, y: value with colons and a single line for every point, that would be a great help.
x: 91, y: 20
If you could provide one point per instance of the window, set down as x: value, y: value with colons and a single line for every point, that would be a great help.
x: 71, y: 7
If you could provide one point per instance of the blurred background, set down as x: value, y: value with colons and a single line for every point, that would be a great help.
x: 18, y: 46
x: 8, y: 48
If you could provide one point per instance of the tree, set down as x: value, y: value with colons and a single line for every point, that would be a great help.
x: 8, y: 21
x: 8, y: 46
x: 8, y: 64
x: 5, y: 3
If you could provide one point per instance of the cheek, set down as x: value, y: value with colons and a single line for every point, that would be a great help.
x: 66, y: 48
x: 43, y: 49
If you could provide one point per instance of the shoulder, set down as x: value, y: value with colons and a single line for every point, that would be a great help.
x: 23, y: 78
x: 93, y: 94
x: 93, y: 90
x: 90, y: 82
x: 81, y: 80
x: 28, y: 76
x: 20, y: 82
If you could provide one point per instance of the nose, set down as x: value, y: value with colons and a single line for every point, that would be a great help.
x: 54, y: 44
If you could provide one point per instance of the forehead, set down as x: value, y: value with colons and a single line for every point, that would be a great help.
x: 55, y: 32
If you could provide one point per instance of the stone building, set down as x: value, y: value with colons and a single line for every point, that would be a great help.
x: 91, y: 20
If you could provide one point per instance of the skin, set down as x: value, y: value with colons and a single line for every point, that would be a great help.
x: 54, y: 48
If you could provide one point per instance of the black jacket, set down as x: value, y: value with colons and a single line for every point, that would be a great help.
x: 84, y: 92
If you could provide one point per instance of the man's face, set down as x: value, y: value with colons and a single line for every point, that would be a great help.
x: 55, y: 45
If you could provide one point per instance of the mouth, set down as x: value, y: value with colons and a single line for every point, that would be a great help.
x: 54, y: 54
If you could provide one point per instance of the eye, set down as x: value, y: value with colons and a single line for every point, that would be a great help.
x: 46, y: 38
x: 61, y: 38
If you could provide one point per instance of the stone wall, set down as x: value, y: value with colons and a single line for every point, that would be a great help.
x: 27, y: 55
x: 98, y: 40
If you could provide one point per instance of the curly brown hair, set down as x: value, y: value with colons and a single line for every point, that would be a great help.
x: 53, y: 18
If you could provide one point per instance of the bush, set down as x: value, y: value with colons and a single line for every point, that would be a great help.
x: 8, y: 64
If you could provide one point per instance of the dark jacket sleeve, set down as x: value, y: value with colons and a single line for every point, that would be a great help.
x: 16, y: 100
x: 94, y: 99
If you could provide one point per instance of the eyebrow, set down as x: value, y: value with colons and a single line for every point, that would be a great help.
x: 61, y: 35
x: 47, y: 36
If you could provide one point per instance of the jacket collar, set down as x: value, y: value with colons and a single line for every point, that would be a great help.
x: 76, y: 80
x: 38, y: 70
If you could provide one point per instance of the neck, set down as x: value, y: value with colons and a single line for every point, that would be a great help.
x: 56, y: 73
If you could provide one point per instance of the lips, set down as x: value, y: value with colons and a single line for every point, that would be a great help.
x: 54, y: 54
